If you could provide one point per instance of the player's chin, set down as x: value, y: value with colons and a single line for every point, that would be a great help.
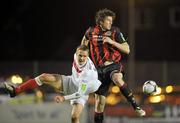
x: 81, y: 63
x: 109, y: 27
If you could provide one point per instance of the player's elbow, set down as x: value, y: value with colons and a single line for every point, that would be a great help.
x: 127, y: 50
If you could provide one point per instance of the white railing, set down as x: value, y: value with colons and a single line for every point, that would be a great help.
x: 142, y: 120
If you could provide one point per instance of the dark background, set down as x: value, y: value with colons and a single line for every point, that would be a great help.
x: 51, y: 30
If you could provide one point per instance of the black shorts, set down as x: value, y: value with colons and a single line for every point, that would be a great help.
x: 104, y: 75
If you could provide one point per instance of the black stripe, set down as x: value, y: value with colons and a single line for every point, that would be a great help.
x: 100, y: 47
x: 95, y: 56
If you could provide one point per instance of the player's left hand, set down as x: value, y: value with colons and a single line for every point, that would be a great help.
x: 107, y: 40
x: 59, y: 99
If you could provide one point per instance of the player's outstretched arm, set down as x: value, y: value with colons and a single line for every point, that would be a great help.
x: 84, y: 41
x: 60, y: 98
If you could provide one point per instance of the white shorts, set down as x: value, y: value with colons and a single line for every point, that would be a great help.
x: 69, y: 88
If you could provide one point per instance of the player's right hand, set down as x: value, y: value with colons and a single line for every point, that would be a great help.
x: 59, y: 99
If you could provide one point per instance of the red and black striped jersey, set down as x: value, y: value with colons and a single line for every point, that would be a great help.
x: 101, y: 52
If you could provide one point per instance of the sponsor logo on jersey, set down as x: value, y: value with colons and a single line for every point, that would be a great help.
x: 97, y: 37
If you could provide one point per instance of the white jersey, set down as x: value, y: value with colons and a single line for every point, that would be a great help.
x: 85, y: 77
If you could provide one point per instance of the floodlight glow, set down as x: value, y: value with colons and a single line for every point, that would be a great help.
x: 169, y: 89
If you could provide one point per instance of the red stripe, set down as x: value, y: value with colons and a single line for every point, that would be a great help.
x: 106, y: 52
x: 76, y: 67
x: 116, y: 56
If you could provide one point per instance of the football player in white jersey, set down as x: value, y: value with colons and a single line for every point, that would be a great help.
x: 76, y: 87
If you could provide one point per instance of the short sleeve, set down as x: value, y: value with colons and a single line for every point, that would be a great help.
x: 119, y: 37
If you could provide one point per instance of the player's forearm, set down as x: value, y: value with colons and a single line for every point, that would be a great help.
x: 122, y: 47
x: 72, y: 96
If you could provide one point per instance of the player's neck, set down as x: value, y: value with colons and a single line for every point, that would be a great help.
x: 102, y: 28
